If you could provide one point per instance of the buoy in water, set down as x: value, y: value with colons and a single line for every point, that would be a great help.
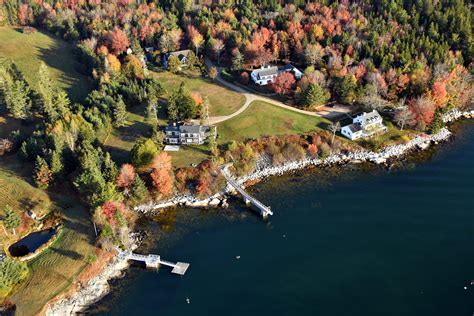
x: 188, y: 300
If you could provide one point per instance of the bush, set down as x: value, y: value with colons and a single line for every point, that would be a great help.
x: 325, y: 150
x: 143, y: 152
x: 244, y: 78
x: 227, y: 76
x: 12, y: 272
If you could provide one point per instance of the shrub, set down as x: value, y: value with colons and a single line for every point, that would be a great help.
x: 143, y: 152
x: 325, y: 150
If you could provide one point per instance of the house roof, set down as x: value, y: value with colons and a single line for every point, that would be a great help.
x: 192, y: 129
x: 266, y: 71
x: 354, y: 128
x: 289, y: 67
x: 181, y: 54
x: 369, y: 117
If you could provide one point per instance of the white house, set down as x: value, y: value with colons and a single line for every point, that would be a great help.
x: 267, y: 74
x: 264, y: 75
x: 364, y: 125
x: 176, y: 134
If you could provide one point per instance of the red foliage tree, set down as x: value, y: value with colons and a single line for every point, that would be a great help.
x: 118, y: 41
x: 126, y: 176
x: 109, y: 209
x: 284, y: 83
x: 244, y: 78
x: 423, y: 110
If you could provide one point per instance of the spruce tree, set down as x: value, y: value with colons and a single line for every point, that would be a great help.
x: 12, y: 220
x: 42, y: 173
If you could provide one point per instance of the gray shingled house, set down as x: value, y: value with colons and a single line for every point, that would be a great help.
x: 181, y: 134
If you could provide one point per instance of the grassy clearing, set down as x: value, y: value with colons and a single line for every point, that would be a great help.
x: 188, y: 155
x: 28, y: 50
x: 222, y: 101
x: 21, y: 195
x: 56, y: 268
x: 261, y: 119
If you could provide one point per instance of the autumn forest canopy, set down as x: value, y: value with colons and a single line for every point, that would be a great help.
x: 415, y: 56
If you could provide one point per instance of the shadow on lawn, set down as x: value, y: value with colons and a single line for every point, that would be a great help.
x: 72, y: 73
x: 68, y: 253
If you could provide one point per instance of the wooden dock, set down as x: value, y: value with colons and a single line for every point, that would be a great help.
x: 154, y: 261
x: 248, y: 199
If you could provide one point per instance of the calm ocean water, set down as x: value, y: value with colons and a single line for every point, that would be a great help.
x: 370, y: 242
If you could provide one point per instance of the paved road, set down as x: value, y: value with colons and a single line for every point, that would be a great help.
x: 327, y: 112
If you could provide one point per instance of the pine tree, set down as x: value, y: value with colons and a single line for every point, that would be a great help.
x: 138, y: 190
x: 315, y: 96
x: 56, y: 163
x: 120, y: 113
x: 14, y: 94
x: 42, y: 173
x: 12, y: 220
x: 46, y: 94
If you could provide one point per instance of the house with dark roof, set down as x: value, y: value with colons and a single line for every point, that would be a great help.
x: 267, y: 74
x: 264, y: 75
x: 182, y: 56
x: 364, y: 125
x: 182, y: 134
x: 290, y: 68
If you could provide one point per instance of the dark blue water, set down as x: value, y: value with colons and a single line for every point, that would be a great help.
x: 31, y: 242
x: 367, y: 242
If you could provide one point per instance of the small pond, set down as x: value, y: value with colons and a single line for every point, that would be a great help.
x: 32, y: 242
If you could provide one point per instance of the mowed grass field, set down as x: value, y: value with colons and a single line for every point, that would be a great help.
x: 262, y: 119
x: 28, y: 50
x: 21, y: 195
x: 55, y: 269
x: 222, y: 101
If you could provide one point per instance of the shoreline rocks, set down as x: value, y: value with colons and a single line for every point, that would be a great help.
x: 98, y: 287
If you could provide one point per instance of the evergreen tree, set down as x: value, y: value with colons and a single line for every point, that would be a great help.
x: 14, y: 95
x: 42, y: 173
x: 12, y: 220
x: 45, y: 94
x: 138, y: 190
x: 119, y: 113
x: 315, y: 96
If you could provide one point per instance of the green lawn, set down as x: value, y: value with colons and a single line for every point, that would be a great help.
x: 393, y: 135
x: 28, y: 50
x: 55, y: 269
x: 222, y: 101
x: 261, y: 119
x: 188, y: 155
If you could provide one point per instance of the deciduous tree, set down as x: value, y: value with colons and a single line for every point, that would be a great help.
x: 284, y: 83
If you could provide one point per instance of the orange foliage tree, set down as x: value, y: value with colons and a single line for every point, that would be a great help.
x: 161, y: 174
x: 126, y: 176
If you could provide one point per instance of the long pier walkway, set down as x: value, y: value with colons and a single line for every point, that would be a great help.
x: 264, y: 210
x: 154, y: 261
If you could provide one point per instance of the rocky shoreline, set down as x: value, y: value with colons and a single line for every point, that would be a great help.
x: 95, y: 289
x: 98, y: 287
x: 265, y: 169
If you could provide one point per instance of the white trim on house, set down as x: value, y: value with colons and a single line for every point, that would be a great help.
x: 364, y: 125
x: 267, y: 74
